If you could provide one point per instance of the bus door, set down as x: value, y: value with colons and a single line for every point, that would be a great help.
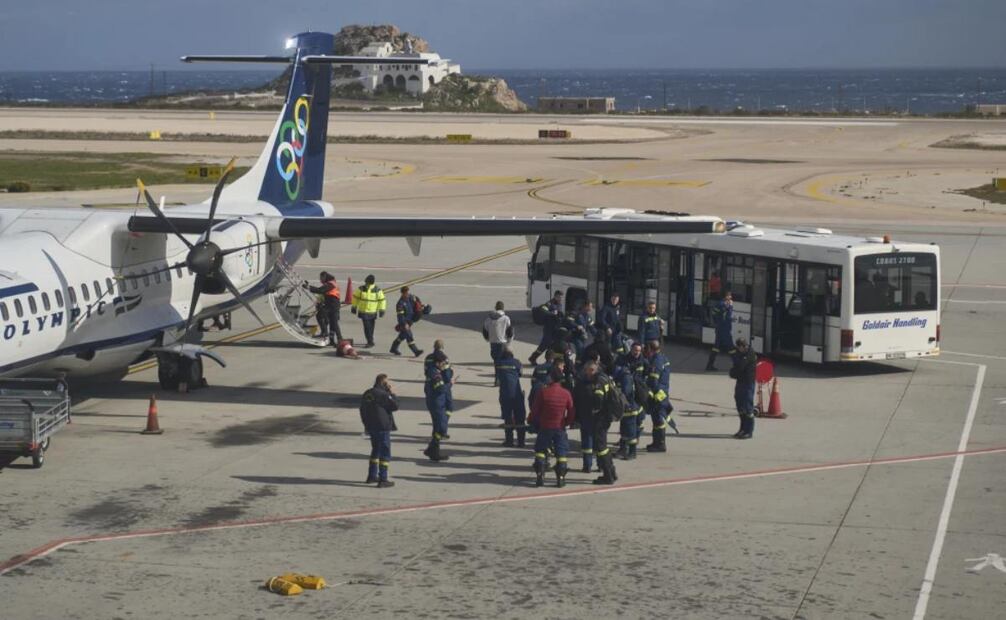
x: 539, y: 274
x: 787, y: 311
x: 761, y: 309
x: 689, y: 311
x: 817, y: 295
x: 615, y: 267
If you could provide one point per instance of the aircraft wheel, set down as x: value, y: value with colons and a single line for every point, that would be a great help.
x: 168, y: 371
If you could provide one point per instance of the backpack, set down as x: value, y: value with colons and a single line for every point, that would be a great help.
x: 618, y: 404
x: 418, y: 309
x: 540, y: 315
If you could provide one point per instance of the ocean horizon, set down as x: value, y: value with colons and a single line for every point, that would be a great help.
x: 918, y: 91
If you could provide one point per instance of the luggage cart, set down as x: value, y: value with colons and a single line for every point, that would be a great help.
x: 31, y: 412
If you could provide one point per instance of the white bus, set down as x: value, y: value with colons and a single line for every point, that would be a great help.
x: 805, y: 294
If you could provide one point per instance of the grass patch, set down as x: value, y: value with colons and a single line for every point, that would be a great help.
x: 986, y: 192
x: 79, y: 171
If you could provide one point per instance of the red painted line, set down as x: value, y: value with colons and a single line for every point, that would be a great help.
x: 50, y: 547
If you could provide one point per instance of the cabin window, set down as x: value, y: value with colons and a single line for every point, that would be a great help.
x: 18, y: 308
x: 45, y: 302
x: 3, y: 311
x: 135, y: 279
x: 157, y: 277
x: 146, y: 278
x: 167, y: 274
x: 32, y: 305
x: 121, y: 286
x: 109, y: 286
x: 59, y: 298
x: 72, y: 294
x: 97, y: 290
x: 178, y: 270
x: 85, y: 292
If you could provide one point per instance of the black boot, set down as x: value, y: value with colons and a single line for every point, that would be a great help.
x: 622, y: 451
x: 658, y: 444
x: 560, y: 474
x: 539, y: 472
x: 433, y: 451
x: 711, y: 364
x: 508, y: 441
x: 394, y: 348
x: 416, y: 351
x: 607, y: 474
x: 521, y: 434
x: 631, y: 456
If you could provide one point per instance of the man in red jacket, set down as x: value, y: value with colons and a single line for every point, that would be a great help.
x: 551, y: 413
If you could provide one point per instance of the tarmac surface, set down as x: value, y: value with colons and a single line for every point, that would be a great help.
x: 881, y: 495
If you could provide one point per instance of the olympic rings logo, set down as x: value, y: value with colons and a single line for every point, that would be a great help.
x: 290, y: 152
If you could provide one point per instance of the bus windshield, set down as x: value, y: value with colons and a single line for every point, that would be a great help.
x: 901, y: 282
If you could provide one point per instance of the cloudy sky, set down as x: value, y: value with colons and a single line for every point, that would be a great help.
x: 130, y: 34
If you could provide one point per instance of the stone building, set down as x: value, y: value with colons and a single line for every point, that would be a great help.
x: 415, y: 78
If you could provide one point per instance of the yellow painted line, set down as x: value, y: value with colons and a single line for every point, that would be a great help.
x: 486, y: 180
x: 149, y: 364
x: 648, y: 182
x: 533, y: 193
x: 814, y: 189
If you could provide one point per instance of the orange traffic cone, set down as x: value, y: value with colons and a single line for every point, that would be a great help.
x: 153, y: 428
x: 774, y: 402
x: 349, y: 290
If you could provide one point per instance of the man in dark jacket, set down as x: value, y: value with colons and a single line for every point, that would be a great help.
x: 609, y: 319
x: 331, y: 302
x: 405, y: 311
x: 511, y: 397
x: 551, y: 313
x: 377, y: 409
x: 743, y: 371
x: 602, y: 392
x: 551, y: 413
x: 436, y: 392
x: 583, y: 402
x: 723, y: 320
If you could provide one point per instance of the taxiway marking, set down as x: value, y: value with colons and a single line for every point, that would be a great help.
x: 55, y: 545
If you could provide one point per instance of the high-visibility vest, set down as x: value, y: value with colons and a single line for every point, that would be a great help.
x: 369, y: 299
x: 334, y: 291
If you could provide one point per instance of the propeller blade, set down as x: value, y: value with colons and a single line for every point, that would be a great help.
x: 197, y: 286
x: 152, y: 205
x: 216, y: 194
x: 237, y: 294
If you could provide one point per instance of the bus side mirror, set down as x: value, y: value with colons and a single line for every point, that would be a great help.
x: 530, y: 270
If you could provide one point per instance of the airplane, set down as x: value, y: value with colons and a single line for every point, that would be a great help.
x: 85, y: 292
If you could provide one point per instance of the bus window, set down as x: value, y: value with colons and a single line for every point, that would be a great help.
x: 568, y: 257
x: 642, y: 277
x: 738, y: 276
x: 833, y: 282
x: 902, y: 282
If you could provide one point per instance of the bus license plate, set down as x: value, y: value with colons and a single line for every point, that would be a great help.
x: 895, y: 356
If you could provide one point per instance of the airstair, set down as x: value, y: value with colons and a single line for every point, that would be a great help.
x: 294, y: 305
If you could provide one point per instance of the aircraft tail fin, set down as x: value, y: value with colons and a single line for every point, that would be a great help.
x: 291, y: 168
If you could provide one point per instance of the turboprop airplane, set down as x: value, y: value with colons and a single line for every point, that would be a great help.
x: 86, y: 292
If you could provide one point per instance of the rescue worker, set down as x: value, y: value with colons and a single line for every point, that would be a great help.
x: 429, y: 365
x: 743, y: 371
x: 585, y: 329
x: 583, y: 402
x: 723, y: 320
x: 635, y: 361
x: 600, y: 351
x: 435, y: 389
x: 650, y: 325
x: 405, y: 310
x: 659, y: 385
x: 551, y: 413
x: 628, y: 439
x: 609, y: 319
x: 541, y: 376
x: 603, y: 391
x: 368, y: 304
x: 328, y: 311
x: 511, y: 397
x: 551, y: 313
x: 498, y: 331
x: 377, y: 408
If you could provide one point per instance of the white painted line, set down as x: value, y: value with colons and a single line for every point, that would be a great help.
x: 723, y: 121
x: 948, y: 501
x: 987, y: 357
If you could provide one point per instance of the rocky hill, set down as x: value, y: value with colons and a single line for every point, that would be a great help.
x: 456, y: 93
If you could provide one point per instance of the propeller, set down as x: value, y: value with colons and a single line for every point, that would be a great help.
x: 205, y: 258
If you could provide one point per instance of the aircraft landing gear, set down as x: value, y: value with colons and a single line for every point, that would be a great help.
x: 178, y: 372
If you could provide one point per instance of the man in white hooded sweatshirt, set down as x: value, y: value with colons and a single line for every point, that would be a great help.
x: 498, y: 330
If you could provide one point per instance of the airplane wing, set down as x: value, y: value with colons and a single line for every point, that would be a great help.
x: 283, y: 228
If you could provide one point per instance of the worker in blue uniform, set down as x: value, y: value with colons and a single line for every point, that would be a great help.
x: 650, y: 326
x: 583, y: 328
x: 435, y: 389
x: 609, y: 319
x: 635, y: 360
x: 723, y: 320
x: 659, y: 385
x: 540, y: 376
x: 447, y: 372
x: 511, y: 397
x: 743, y: 372
x: 405, y: 311
x: 551, y: 315
x: 628, y: 439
